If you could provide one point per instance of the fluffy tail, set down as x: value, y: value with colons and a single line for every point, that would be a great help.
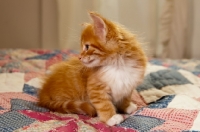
x: 71, y: 107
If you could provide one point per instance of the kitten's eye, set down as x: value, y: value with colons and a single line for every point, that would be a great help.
x: 87, y: 47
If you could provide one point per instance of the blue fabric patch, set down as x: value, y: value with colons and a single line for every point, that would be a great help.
x: 1, y: 108
x: 8, y: 67
x: 141, y: 123
x: 198, y: 67
x: 156, y: 61
x: 162, y: 103
x: 197, y: 73
x: 13, y: 120
x: 18, y: 104
x: 161, y: 79
x: 65, y: 56
x: 30, y: 90
x: 160, y: 62
x: 44, y: 56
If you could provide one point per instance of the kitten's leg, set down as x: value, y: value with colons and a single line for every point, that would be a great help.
x: 106, y: 111
x: 126, y: 106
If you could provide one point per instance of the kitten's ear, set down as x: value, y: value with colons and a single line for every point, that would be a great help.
x: 100, y: 28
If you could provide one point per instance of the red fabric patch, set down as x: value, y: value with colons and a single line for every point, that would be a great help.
x: 31, y: 75
x: 41, y: 51
x: 176, y: 119
x: 3, y: 62
x: 138, y: 100
x: 6, y: 97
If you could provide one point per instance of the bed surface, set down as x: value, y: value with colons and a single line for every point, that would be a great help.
x: 168, y: 98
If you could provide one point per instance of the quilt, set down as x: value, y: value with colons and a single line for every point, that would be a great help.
x: 168, y: 99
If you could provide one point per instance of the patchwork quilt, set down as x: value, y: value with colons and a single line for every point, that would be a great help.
x: 168, y: 99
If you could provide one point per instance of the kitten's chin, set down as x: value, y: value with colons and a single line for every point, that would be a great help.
x: 92, y: 63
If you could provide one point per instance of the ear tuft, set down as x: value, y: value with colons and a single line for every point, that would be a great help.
x: 100, y: 28
x: 84, y: 25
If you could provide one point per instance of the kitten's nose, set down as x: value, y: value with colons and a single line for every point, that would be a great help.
x: 79, y: 57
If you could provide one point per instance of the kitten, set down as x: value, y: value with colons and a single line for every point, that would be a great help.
x: 102, y: 79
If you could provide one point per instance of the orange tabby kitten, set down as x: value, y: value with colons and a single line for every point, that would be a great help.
x: 101, y: 81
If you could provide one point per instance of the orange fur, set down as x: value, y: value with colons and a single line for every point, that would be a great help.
x: 101, y: 82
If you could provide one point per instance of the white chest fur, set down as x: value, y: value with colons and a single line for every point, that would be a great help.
x: 121, y: 80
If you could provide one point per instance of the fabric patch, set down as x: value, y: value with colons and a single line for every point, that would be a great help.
x: 153, y: 94
x: 161, y: 79
x: 31, y: 75
x: 164, y: 63
x: 30, y: 90
x: 20, y: 95
x: 41, y: 116
x: 141, y: 123
x: 184, y: 102
x: 153, y: 68
x: 53, y: 60
x: 176, y: 119
x: 21, y: 54
x: 1, y: 108
x: 71, y: 126
x: 35, y: 82
x: 137, y: 99
x: 11, y: 82
x: 42, y: 57
x: 191, y: 77
x: 196, y: 123
x: 4, y: 102
x: 171, y: 126
x: 162, y: 103
x: 4, y: 53
x: 3, y: 62
x: 190, y: 65
x: 42, y: 126
x: 32, y: 66
x: 198, y: 66
x: 83, y: 127
x: 186, y: 89
x: 43, y: 51
x: 13, y: 120
x: 6, y: 97
x: 18, y: 104
x: 190, y: 131
x: 11, y: 66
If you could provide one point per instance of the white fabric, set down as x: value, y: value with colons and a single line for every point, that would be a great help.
x: 184, y: 102
x: 35, y: 82
x: 191, y: 77
x: 196, y: 123
x: 153, y: 68
x: 11, y: 82
x: 194, y: 91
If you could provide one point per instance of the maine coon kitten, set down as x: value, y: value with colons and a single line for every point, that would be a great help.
x: 102, y: 79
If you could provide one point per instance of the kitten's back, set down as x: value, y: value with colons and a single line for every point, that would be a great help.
x: 64, y: 89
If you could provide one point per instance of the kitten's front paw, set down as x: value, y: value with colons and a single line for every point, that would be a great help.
x: 115, y: 119
x: 132, y: 107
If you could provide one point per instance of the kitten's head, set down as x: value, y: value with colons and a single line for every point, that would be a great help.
x: 100, y: 41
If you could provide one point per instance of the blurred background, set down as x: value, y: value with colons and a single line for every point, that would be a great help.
x: 169, y: 28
